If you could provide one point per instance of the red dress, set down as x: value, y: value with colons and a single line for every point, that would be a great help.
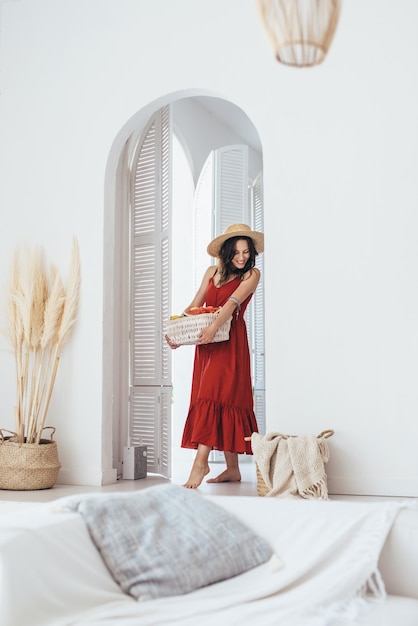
x: 221, y: 410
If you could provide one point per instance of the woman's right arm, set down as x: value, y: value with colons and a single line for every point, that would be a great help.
x: 199, y: 298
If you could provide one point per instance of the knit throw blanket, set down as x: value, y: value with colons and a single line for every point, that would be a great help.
x: 292, y: 467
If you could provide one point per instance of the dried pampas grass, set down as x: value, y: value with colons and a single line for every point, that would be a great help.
x: 41, y: 316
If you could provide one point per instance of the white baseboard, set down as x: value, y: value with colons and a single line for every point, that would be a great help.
x: 369, y: 486
x: 87, y: 477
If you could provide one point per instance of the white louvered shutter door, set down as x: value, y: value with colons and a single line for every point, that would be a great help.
x: 230, y: 202
x: 230, y: 187
x: 203, y: 218
x: 150, y: 374
x: 221, y: 199
x: 258, y: 312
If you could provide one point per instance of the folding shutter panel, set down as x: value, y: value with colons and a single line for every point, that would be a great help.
x: 231, y: 204
x: 230, y: 201
x: 150, y: 375
x: 258, y: 310
x: 221, y: 199
x: 203, y: 217
x: 231, y: 187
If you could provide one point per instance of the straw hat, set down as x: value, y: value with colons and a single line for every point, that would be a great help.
x: 236, y: 230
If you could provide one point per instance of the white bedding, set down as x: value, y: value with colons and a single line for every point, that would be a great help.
x: 330, y: 552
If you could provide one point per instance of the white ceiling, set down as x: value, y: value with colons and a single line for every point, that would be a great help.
x: 233, y: 117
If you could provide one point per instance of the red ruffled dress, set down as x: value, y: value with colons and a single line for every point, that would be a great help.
x: 221, y: 412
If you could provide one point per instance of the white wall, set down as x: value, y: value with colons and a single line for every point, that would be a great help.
x: 340, y: 159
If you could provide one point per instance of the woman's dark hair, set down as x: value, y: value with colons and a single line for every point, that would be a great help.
x: 227, y: 253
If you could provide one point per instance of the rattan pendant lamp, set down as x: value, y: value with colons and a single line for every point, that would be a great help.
x: 300, y: 31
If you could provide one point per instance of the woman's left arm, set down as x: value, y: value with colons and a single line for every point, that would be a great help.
x: 248, y: 285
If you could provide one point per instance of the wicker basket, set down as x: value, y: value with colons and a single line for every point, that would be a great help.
x: 262, y: 488
x: 186, y: 329
x: 28, y: 466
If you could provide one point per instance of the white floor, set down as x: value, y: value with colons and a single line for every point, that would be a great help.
x: 247, y: 487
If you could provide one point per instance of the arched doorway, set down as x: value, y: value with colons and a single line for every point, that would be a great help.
x: 221, y: 123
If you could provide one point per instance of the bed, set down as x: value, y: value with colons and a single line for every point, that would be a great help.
x: 81, y: 561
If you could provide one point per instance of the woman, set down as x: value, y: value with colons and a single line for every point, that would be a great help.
x: 221, y: 411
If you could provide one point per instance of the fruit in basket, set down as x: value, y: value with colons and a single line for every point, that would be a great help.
x: 199, y: 310
x: 175, y: 317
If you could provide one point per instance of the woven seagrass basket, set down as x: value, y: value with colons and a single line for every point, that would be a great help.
x: 262, y: 488
x: 28, y: 466
x: 186, y: 329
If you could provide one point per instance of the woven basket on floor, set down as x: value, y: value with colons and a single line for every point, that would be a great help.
x: 28, y: 466
x: 262, y: 488
x: 186, y: 329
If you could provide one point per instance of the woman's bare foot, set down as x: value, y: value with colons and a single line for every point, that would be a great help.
x: 230, y: 475
x: 196, y: 475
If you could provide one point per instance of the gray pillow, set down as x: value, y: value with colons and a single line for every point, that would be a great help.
x: 167, y: 540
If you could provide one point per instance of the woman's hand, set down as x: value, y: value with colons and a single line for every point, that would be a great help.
x: 172, y: 345
x: 207, y: 335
